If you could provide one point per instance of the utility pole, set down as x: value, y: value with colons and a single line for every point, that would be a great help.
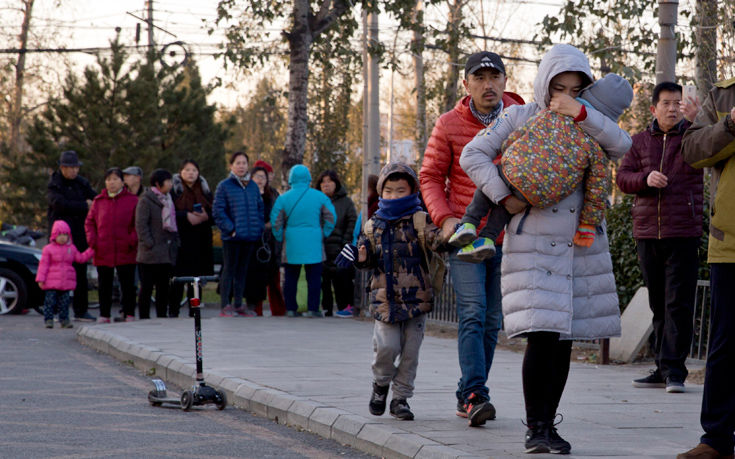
x: 149, y: 20
x: 417, y: 49
x: 373, y: 95
x: 666, y: 52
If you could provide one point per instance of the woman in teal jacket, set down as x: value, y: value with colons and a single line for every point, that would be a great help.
x: 302, y: 217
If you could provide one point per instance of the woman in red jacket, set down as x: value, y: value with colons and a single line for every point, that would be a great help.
x: 110, y: 228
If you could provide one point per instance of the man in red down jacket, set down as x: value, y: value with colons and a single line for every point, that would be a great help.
x: 447, y: 190
x: 667, y: 226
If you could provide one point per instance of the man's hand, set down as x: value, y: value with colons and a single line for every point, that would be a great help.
x: 514, y: 205
x: 565, y: 105
x: 690, y: 107
x: 448, y: 227
x: 657, y: 180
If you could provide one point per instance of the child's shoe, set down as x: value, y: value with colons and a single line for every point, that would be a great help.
x: 49, y: 323
x: 399, y: 409
x: 377, y: 399
x: 66, y: 324
x: 481, y: 249
x: 465, y: 233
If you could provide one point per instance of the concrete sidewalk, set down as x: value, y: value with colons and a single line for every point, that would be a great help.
x: 315, y: 374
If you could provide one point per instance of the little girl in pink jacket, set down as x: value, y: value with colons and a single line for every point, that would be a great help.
x: 56, y: 274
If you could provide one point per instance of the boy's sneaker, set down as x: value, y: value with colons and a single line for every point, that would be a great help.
x: 399, y: 409
x: 377, y: 399
x: 103, y: 320
x: 49, y: 323
x: 461, y: 409
x: 479, y: 409
x: 227, y: 311
x: 481, y: 249
x: 674, y: 385
x: 345, y: 313
x: 66, y: 324
x: 465, y: 233
x: 86, y: 317
x: 293, y: 314
x: 653, y: 380
x: 537, y: 438
x: 313, y: 314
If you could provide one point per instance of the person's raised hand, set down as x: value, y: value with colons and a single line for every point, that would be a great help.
x: 564, y: 104
x: 514, y: 205
x: 690, y: 107
x: 657, y: 180
x: 361, y: 254
x: 448, y: 227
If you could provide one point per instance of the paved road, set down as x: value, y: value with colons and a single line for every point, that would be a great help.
x: 60, y: 399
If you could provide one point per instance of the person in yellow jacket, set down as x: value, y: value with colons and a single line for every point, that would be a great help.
x: 710, y: 142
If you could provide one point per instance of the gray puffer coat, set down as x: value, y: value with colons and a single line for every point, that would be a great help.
x: 548, y: 283
x: 155, y: 245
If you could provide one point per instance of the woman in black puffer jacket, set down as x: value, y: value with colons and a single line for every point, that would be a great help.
x: 342, y: 279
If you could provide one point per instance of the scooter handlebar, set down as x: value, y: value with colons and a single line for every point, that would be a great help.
x: 200, y: 279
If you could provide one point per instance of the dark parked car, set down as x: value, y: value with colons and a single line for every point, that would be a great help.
x: 18, y: 288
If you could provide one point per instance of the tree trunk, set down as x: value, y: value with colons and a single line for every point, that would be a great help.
x: 16, y: 114
x: 706, y: 49
x: 453, y: 28
x: 300, y: 40
x: 417, y: 49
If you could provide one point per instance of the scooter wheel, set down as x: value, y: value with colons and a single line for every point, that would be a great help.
x: 222, y: 400
x: 187, y: 399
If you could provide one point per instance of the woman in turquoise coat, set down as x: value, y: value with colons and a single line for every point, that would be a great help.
x: 302, y: 217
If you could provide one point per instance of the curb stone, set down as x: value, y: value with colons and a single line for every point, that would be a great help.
x: 325, y: 421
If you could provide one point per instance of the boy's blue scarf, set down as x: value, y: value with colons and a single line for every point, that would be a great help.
x: 393, y: 209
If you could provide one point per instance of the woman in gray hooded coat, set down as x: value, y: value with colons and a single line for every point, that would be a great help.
x: 553, y: 291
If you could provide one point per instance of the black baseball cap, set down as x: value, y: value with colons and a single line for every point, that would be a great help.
x: 482, y: 60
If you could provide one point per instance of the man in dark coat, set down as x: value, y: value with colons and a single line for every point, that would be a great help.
x: 69, y: 198
x: 667, y: 227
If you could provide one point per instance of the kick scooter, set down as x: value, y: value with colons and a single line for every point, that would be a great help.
x: 200, y: 393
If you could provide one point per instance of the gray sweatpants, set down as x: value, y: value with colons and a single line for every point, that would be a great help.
x: 401, y: 340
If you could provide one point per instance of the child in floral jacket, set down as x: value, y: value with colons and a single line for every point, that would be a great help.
x: 544, y: 162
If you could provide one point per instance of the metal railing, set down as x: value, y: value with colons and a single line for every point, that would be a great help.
x: 445, y: 313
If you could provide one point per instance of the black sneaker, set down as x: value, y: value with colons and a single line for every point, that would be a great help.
x: 461, y: 409
x: 377, y: 399
x: 653, y: 380
x: 557, y: 445
x: 674, y: 385
x: 537, y: 438
x: 399, y: 409
x: 479, y: 409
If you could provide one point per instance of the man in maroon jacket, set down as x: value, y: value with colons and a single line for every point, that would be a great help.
x: 447, y: 191
x: 667, y: 226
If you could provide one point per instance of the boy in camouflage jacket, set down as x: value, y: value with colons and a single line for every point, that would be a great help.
x: 400, y: 288
x: 543, y: 163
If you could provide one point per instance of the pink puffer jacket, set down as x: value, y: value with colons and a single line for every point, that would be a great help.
x: 55, y: 270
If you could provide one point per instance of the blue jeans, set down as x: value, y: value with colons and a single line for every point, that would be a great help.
x: 313, y: 285
x: 477, y: 289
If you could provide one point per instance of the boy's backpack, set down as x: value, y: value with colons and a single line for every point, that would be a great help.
x: 437, y: 267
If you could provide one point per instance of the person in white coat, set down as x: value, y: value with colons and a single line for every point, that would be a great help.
x: 553, y: 291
